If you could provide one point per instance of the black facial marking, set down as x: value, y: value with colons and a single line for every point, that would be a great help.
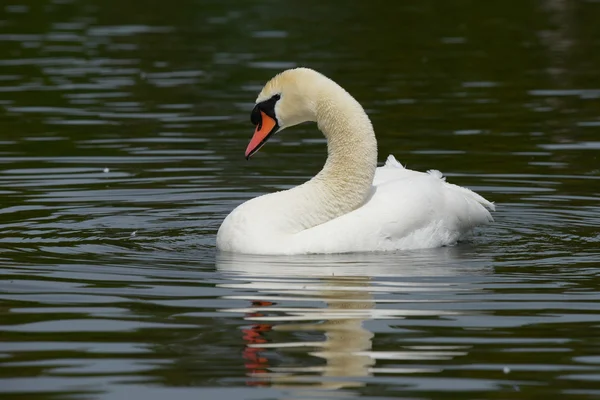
x: 255, y: 116
x: 267, y: 106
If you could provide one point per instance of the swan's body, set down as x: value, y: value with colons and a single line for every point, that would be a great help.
x: 351, y: 205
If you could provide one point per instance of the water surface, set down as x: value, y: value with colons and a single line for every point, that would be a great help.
x: 122, y: 131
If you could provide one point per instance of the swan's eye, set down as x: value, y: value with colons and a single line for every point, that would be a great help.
x: 267, y: 106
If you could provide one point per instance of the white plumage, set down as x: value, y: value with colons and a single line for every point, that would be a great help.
x: 351, y: 205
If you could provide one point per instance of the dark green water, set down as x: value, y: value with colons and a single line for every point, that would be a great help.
x: 122, y: 131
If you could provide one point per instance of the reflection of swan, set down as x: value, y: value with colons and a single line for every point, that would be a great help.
x: 341, y: 321
x: 351, y: 205
x: 346, y: 285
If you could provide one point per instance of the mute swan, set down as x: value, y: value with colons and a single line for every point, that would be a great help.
x: 350, y: 205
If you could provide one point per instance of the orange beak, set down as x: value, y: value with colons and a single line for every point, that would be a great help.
x: 264, y: 130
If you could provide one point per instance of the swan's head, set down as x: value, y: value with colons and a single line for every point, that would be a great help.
x: 286, y: 100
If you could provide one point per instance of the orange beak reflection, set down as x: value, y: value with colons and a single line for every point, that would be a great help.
x: 263, y: 131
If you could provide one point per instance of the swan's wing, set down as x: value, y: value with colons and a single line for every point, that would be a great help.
x: 393, y: 170
x: 408, y: 209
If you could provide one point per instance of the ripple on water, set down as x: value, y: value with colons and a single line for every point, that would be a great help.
x: 121, y: 151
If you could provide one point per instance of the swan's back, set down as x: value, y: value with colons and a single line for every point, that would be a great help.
x: 407, y: 210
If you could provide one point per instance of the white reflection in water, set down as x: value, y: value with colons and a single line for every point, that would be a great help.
x: 338, y: 294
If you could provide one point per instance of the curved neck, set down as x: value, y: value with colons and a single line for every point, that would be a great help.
x: 345, y: 182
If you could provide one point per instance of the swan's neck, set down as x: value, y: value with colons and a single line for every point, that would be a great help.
x: 345, y: 182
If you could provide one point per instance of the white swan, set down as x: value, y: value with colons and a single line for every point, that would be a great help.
x: 351, y: 205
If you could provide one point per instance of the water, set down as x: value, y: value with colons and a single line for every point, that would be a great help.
x: 122, y: 132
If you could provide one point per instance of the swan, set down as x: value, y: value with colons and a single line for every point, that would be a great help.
x: 351, y: 205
